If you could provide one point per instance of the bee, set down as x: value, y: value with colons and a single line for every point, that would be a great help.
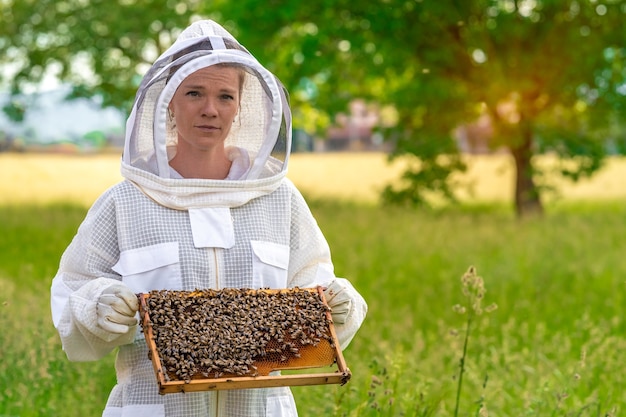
x: 214, y: 332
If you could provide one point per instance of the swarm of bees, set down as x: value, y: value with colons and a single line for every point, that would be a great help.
x: 214, y: 334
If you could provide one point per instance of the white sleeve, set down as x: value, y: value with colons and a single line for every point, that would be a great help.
x: 310, y: 265
x: 83, y: 339
x: 85, y: 271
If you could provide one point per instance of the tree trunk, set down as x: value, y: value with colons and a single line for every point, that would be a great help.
x: 527, y: 198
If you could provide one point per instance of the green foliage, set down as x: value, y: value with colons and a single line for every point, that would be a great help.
x: 549, y: 74
x: 15, y: 110
x: 422, y: 178
x: 101, y: 48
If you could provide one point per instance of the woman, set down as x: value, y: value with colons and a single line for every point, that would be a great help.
x: 205, y: 204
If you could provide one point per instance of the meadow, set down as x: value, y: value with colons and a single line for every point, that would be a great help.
x: 554, y: 346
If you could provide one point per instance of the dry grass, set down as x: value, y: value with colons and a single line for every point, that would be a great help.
x: 44, y: 178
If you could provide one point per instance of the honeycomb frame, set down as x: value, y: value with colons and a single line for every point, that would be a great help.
x: 324, y: 354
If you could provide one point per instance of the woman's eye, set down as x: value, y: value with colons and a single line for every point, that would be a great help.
x: 227, y: 97
x: 193, y: 93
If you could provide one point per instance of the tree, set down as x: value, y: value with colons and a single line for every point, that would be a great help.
x: 100, y: 47
x: 549, y: 74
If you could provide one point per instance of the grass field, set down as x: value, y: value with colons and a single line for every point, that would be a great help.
x: 555, y: 346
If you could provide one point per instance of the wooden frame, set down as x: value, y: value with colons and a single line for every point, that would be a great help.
x: 340, y: 376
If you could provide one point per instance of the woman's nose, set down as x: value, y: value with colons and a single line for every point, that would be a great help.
x: 209, y: 108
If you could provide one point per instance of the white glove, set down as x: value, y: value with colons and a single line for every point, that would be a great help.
x: 338, y: 299
x: 116, y: 309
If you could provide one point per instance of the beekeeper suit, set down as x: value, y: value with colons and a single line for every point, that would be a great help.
x: 157, y: 230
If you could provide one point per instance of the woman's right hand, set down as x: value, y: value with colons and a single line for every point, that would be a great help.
x: 116, y: 309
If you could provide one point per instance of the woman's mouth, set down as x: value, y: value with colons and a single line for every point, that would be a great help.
x: 207, y: 128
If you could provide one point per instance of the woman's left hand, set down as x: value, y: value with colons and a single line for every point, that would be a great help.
x: 339, y: 301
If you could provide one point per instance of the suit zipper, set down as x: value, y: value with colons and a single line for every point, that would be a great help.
x: 216, y: 263
x: 217, y: 269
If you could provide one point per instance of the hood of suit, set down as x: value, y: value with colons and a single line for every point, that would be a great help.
x: 261, y: 131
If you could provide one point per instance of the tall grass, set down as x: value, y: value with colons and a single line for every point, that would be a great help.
x: 35, y: 377
x: 555, y: 346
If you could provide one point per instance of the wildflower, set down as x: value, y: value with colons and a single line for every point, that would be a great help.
x: 491, y: 307
x: 474, y: 290
x: 458, y: 308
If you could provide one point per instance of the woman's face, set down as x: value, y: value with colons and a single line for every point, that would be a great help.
x: 205, y: 105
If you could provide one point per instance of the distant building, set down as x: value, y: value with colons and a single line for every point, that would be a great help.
x: 355, y: 131
x: 474, y: 137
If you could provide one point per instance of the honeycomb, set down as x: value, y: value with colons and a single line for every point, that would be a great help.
x: 238, y: 332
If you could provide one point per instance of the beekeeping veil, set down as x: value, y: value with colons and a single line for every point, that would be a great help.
x: 262, y: 128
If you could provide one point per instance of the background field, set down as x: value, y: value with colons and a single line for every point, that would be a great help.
x: 556, y: 345
x: 45, y: 178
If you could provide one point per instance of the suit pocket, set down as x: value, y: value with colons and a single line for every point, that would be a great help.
x: 155, y: 267
x: 270, y: 262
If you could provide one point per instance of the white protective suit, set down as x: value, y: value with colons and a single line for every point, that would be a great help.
x: 156, y: 230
